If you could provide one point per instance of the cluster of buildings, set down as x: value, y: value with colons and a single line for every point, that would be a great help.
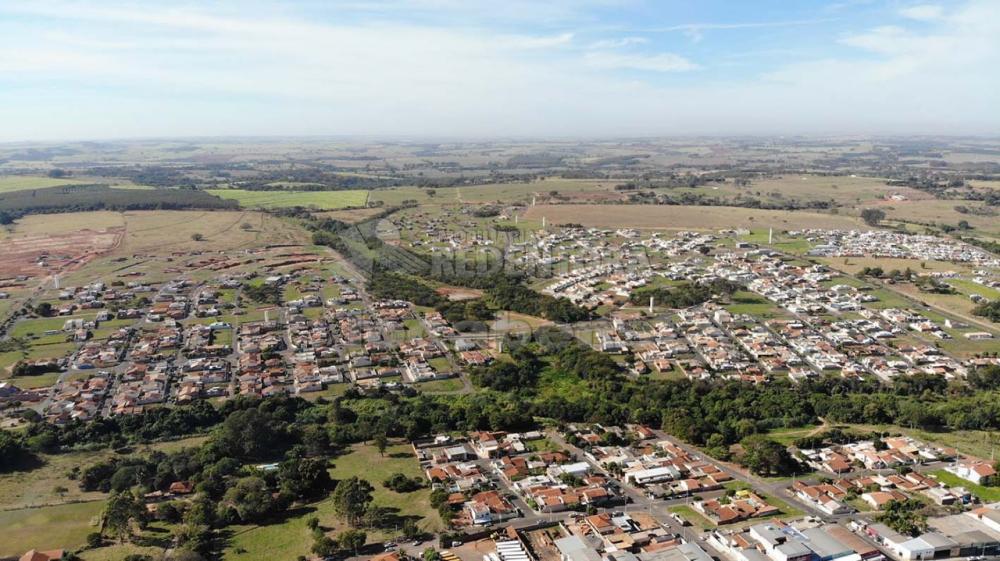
x: 872, y: 455
x: 889, y: 244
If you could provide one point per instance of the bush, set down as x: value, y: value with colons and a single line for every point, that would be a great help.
x: 400, y: 483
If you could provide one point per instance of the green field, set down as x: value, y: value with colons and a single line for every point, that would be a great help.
x: 985, y: 494
x: 11, y: 183
x: 53, y: 527
x: 745, y: 302
x: 324, y: 200
x: 693, y: 516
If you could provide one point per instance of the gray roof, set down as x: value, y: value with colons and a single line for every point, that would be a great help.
x: 576, y: 549
x: 683, y: 552
x: 825, y: 545
x: 794, y: 549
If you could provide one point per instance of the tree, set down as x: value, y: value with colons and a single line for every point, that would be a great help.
x: 410, y: 529
x: 351, y: 498
x: 872, y: 216
x: 251, y: 498
x: 764, y: 456
x: 431, y: 554
x: 306, y: 477
x: 43, y: 309
x: 252, y: 435
x: 375, y: 516
x: 122, y: 514
x: 381, y: 442
x: 197, y: 236
x: 352, y: 540
x: 905, y: 517
x: 324, y: 546
x: 12, y: 452
x: 246, y: 226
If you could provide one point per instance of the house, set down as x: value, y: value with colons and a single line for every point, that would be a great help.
x: 976, y: 471
x: 489, y: 507
x: 878, y: 499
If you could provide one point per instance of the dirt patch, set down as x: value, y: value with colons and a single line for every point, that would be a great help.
x: 37, y: 255
x: 455, y: 293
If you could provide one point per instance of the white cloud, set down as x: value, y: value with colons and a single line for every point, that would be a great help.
x: 618, y: 43
x: 660, y: 62
x: 923, y: 12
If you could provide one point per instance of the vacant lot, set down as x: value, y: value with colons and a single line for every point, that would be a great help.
x: 64, y: 526
x: 40, y: 245
x: 324, y: 200
x: 156, y: 231
x: 685, y: 217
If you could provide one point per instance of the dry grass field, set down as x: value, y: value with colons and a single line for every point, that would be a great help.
x: 686, y: 217
x: 942, y: 212
x: 156, y: 231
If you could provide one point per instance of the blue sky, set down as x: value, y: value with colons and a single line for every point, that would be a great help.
x: 72, y: 69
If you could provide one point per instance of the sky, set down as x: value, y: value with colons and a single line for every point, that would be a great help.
x: 105, y: 69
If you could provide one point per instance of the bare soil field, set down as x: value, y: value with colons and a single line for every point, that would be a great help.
x: 65, y: 243
x: 41, y: 254
x: 457, y: 293
x: 686, y: 217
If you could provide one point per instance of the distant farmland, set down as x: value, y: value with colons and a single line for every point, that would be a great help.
x: 11, y: 183
x: 686, y: 217
x: 324, y: 200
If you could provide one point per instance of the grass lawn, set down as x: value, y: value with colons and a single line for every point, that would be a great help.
x: 36, y: 488
x: 118, y: 552
x: 365, y: 461
x: 790, y: 435
x: 291, y: 537
x: 440, y: 364
x: 414, y: 328
x: 786, y: 509
x: 693, y: 516
x: 331, y: 391
x: 542, y: 445
x: 64, y: 526
x: 749, y: 303
x: 985, y: 494
x: 32, y: 382
x: 443, y: 386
